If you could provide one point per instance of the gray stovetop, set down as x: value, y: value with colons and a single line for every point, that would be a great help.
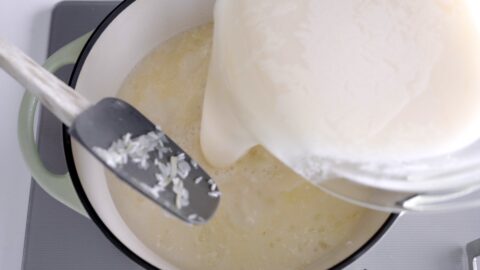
x: 57, y: 238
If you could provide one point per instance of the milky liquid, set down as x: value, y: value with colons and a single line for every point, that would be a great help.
x: 352, y: 80
x: 268, y: 218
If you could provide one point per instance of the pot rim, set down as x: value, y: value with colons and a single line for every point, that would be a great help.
x: 67, y: 145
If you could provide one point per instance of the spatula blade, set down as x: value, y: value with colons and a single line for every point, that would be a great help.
x: 113, y: 120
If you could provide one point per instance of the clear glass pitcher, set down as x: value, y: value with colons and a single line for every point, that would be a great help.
x: 446, y: 182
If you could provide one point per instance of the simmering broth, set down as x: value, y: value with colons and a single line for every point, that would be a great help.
x: 268, y: 218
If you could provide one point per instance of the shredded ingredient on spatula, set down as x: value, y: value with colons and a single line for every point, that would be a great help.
x: 138, y: 150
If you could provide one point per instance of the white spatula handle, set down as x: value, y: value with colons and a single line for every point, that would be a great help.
x: 54, y: 94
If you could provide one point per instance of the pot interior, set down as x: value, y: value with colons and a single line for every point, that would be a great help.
x: 129, y: 37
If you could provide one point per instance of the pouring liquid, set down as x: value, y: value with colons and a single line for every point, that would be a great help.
x: 269, y: 217
x: 356, y: 81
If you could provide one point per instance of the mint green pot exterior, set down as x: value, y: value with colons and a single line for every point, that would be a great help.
x: 59, y: 187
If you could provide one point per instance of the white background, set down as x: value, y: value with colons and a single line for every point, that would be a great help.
x: 25, y: 23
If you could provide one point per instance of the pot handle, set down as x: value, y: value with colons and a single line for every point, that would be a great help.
x: 59, y: 187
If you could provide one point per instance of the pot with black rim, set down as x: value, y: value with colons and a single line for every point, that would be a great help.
x: 127, y: 35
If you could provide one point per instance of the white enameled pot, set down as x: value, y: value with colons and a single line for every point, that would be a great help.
x: 128, y: 34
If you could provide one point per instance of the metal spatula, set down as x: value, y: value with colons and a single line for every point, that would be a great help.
x: 124, y: 140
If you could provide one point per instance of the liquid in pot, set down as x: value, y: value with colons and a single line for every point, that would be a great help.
x: 269, y: 217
